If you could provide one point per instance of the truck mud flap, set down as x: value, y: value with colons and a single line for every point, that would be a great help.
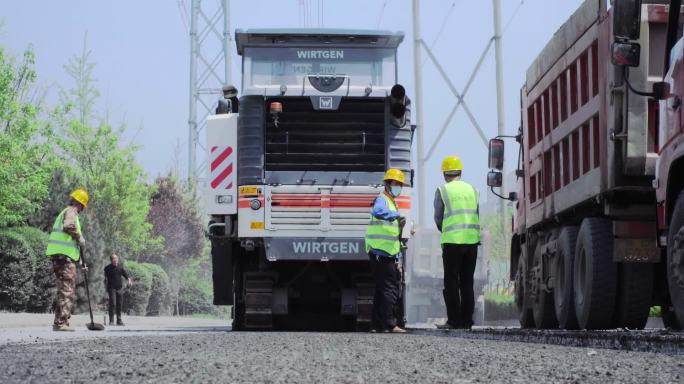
x: 222, y: 270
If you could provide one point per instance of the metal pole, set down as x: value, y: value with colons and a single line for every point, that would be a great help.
x: 192, y: 120
x: 226, y: 40
x: 418, y: 79
x: 498, y: 50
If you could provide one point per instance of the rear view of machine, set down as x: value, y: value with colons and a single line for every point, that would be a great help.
x: 295, y: 171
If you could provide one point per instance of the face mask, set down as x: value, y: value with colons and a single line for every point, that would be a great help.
x: 395, y: 190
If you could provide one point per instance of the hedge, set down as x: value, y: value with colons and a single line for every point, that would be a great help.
x: 160, y: 296
x: 26, y: 279
x: 44, y: 284
x: 137, y: 296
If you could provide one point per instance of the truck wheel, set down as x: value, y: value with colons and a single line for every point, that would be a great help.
x: 669, y: 318
x: 634, y: 296
x: 675, y: 259
x: 542, y: 299
x: 562, y: 290
x: 521, y: 292
x: 595, y: 275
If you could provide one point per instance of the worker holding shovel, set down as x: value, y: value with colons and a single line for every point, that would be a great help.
x: 64, y: 248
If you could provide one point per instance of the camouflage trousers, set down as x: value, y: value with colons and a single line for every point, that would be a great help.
x: 65, y: 272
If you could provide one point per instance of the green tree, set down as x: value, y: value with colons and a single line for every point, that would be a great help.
x: 25, y: 166
x: 176, y: 220
x: 94, y: 157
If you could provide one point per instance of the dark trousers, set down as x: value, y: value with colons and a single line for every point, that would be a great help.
x: 387, y: 292
x: 115, y: 300
x: 459, y: 266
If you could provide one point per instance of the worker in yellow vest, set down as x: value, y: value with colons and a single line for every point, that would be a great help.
x: 383, y: 247
x: 66, y: 241
x: 457, y: 217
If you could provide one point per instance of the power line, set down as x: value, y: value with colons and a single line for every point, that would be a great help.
x: 183, y: 14
x: 382, y: 12
x: 442, y: 27
x: 444, y: 23
x: 510, y: 20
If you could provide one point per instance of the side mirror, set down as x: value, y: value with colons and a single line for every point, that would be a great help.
x: 626, y: 19
x: 513, y: 196
x: 494, y: 179
x: 496, y: 154
x: 625, y: 54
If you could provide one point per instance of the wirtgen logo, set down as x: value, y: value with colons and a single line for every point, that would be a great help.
x: 320, y: 54
x: 325, y: 102
x: 324, y: 247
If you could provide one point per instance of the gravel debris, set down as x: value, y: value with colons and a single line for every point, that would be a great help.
x: 286, y: 357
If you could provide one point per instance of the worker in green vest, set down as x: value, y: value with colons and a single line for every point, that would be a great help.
x: 66, y: 241
x: 457, y: 217
x: 383, y: 246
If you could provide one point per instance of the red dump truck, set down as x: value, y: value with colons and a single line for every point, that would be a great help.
x: 598, y: 228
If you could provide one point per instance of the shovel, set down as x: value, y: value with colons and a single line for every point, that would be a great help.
x: 93, y: 326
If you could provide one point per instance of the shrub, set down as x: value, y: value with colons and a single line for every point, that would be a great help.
x: 160, y: 296
x: 499, y: 298
x: 44, y: 288
x: 655, y: 311
x: 194, y: 298
x: 137, y: 296
x: 16, y: 274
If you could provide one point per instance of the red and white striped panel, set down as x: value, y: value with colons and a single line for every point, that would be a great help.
x: 222, y: 174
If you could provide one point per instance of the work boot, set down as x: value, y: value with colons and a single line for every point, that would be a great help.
x: 396, y: 329
x: 62, y: 328
x: 445, y: 326
x: 119, y: 322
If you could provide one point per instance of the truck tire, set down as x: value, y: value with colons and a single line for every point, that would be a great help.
x: 675, y: 258
x: 669, y: 318
x: 521, y: 292
x: 542, y: 300
x: 595, y: 275
x: 634, y: 295
x: 563, y: 288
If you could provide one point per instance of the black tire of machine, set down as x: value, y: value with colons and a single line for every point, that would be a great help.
x: 521, y: 295
x: 542, y: 299
x: 595, y: 275
x: 669, y: 318
x: 675, y: 260
x: 634, y: 295
x: 563, y: 289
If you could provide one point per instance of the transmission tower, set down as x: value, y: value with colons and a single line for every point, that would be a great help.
x: 210, y: 44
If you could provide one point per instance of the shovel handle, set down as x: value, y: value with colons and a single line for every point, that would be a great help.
x: 85, y: 274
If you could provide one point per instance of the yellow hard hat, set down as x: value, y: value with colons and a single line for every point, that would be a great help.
x: 81, y: 196
x: 394, y: 174
x: 451, y: 164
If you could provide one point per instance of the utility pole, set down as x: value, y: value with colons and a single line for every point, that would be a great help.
x: 418, y: 80
x: 192, y: 118
x: 498, y: 51
x: 209, y: 50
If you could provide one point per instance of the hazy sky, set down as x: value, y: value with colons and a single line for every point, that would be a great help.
x: 142, y: 53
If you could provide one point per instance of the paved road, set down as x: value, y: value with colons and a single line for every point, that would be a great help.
x: 191, y: 350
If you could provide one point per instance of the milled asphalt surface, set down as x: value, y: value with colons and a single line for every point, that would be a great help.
x: 198, y: 350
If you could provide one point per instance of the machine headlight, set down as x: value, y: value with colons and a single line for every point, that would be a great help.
x: 224, y: 199
x: 255, y: 204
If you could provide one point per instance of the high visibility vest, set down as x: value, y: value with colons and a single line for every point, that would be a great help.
x: 461, y: 222
x: 60, y: 242
x: 384, y: 234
